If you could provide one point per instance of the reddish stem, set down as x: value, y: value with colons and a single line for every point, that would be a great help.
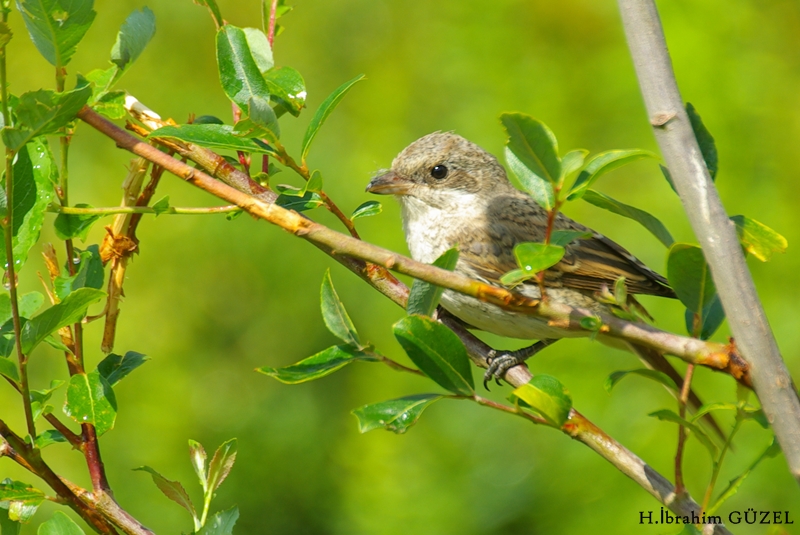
x: 271, y: 28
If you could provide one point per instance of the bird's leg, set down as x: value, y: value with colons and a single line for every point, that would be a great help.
x: 500, y: 364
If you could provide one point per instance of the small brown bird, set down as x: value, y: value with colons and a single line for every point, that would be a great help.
x: 454, y: 193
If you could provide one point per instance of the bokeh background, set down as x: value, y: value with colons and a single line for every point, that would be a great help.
x: 209, y: 300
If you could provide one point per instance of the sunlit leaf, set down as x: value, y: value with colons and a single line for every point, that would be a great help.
x: 535, y: 257
x: 602, y: 163
x: 70, y: 310
x: 319, y: 365
x: 133, y: 36
x: 56, y: 27
x: 197, y: 454
x: 287, y: 85
x: 213, y: 136
x: 322, y: 113
x: 239, y: 74
x: 221, y: 464
x: 533, y: 144
x: 89, y: 274
x: 90, y: 400
x: 655, y: 375
x: 548, y: 397
x: 49, y: 437
x: 44, y: 112
x: 758, y: 239
x: 396, y: 415
x: 366, y: 209
x: 537, y: 187
x: 221, y: 523
x: 69, y: 226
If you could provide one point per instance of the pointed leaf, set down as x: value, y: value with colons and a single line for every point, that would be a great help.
x: 39, y: 398
x: 758, y: 239
x: 115, y: 367
x: 319, y: 365
x: 18, y: 491
x: 259, y: 48
x: 571, y: 162
x: 48, y: 437
x: 514, y: 277
x: 648, y: 221
x: 89, y: 274
x: 197, y: 453
x: 537, y: 187
x: 44, y: 112
x: 655, y: 375
x: 309, y: 201
x: 670, y: 416
x: 711, y: 318
x: 314, y: 183
x: 533, y: 144
x: 171, y: 489
x: 366, y: 209
x: 547, y: 396
x: 90, y: 400
x: 288, y: 86
x: 690, y: 277
x: 56, y: 27
x: 221, y: 464
x: 70, y: 310
x: 710, y: 407
x: 437, y: 351
x: 69, y: 226
x: 334, y: 314
x: 396, y: 415
x: 535, y: 257
x: 133, y: 36
x: 221, y: 523
x: 424, y: 296
x: 260, y: 121
x: 8, y: 368
x: 213, y: 136
x: 322, y: 113
x: 60, y: 524
x: 733, y: 487
x: 238, y: 71
x: 705, y: 140
x: 565, y: 237
x: 601, y: 164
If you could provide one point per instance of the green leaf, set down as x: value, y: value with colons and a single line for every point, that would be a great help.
x: 221, y: 523
x: 366, y: 209
x: 90, y: 400
x: 424, y: 296
x: 21, y: 502
x: 533, y: 144
x: 710, y: 319
x: 60, y: 524
x: 115, y: 367
x: 18, y: 491
x: 535, y: 257
x: 669, y: 416
x: 537, y: 187
x: 437, y: 351
x: 260, y: 122
x: 689, y: 276
x: 90, y: 274
x: 70, y: 310
x: 171, y: 489
x: 565, y: 237
x: 322, y: 113
x: 33, y: 190
x: 259, y: 48
x: 8, y: 368
x: 5, y: 37
x: 314, y: 183
x: 69, y: 226
x: 239, y: 74
x: 28, y: 304
x: 221, y: 464
x: 213, y: 136
x: 133, y: 36
x: 287, y: 85
x: 161, y: 205
x: 197, y: 453
x: 514, y: 277
x: 733, y: 487
x: 396, y: 415
x: 7, y: 526
x: 213, y: 9
x: 48, y: 437
x: 309, y: 201
x: 648, y: 221
x: 44, y: 112
x: 111, y: 105
x: 547, y: 396
x: 655, y: 375
x: 39, y: 398
x: 57, y: 26
x: 758, y: 239
x: 319, y: 365
x: 601, y: 164
x: 572, y: 161
x: 710, y: 407
x: 704, y: 139
x: 335, y: 315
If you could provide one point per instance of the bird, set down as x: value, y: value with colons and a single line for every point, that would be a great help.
x: 453, y: 193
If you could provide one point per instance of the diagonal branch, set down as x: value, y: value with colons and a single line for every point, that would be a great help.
x: 711, y: 225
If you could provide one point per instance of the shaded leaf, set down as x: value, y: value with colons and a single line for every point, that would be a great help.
x: 533, y: 144
x: 689, y: 276
x: 89, y: 274
x: 221, y: 523
x: 334, y: 314
x: 547, y: 396
x: 670, y: 416
x: 322, y: 113
x: 56, y: 27
x: 648, y: 221
x: 171, y: 489
x: 221, y: 464
x: 319, y: 365
x: 537, y: 187
x: 733, y: 487
x: 705, y: 140
x: 70, y: 310
x: 161, y: 205
x: 655, y: 375
x: 602, y: 163
x: 437, y: 351
x: 90, y: 400
x: 424, y: 296
x: 133, y: 36
x: 69, y: 226
x: 115, y: 367
x: 8, y: 368
x: 48, y: 437
x: 758, y: 239
x: 396, y: 415
x: 711, y: 318
x: 213, y: 136
x: 366, y: 209
x: 309, y: 201
x: 39, y: 398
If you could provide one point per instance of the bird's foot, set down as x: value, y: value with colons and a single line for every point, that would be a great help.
x: 498, y: 365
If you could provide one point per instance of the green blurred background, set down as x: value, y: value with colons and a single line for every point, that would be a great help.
x: 210, y: 300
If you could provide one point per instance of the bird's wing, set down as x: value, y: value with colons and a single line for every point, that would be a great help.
x: 588, y: 264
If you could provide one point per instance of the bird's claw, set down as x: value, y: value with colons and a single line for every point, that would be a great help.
x: 498, y: 366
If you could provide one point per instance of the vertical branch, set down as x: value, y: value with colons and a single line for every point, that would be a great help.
x: 711, y: 225
x: 271, y: 26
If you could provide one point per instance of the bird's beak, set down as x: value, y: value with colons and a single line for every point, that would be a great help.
x: 389, y: 183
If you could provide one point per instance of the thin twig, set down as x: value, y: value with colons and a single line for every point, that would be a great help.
x: 172, y: 210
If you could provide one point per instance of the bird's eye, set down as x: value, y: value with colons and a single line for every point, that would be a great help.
x: 439, y: 172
